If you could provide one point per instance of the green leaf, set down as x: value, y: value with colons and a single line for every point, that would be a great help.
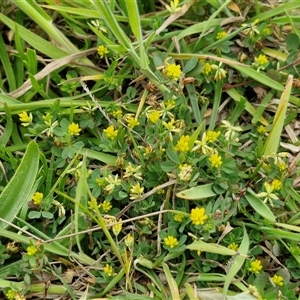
x: 258, y: 205
x: 16, y: 192
x: 197, y: 192
x: 172, y: 155
x: 211, y: 248
x: 273, y: 140
x: 237, y: 262
x: 190, y: 65
x: 292, y: 41
x: 168, y: 166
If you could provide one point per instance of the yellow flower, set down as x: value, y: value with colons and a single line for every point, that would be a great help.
x: 254, y: 292
x: 153, y: 116
x: 131, y: 171
x: 278, y: 280
x: 117, y: 228
x: 73, y: 129
x: 215, y: 160
x: 261, y: 129
x: 185, y: 173
x: 136, y: 191
x: 178, y: 218
x: 261, y: 60
x: 266, y: 31
x: 268, y: 195
x: 183, y: 144
x: 19, y: 297
x: 101, y: 182
x: 230, y: 130
x: 172, y: 71
x: 108, y: 270
x: 198, y: 216
x: 110, y: 132
x: 220, y: 72
x: 106, y: 206
x: 10, y: 295
x: 170, y: 126
x: 102, y: 51
x: 132, y: 122
x: 211, y: 135
x: 37, y: 198
x: 202, y: 145
x: 206, y: 69
x: 255, y: 266
x: 112, y: 183
x: 221, y: 35
x: 171, y: 241
x: 25, y: 118
x: 170, y: 103
x: 117, y: 113
x: 281, y: 165
x: 173, y: 7
x: 129, y: 240
x: 32, y: 250
x: 233, y: 246
x: 276, y: 185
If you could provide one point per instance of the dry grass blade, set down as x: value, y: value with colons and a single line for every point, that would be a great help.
x: 27, y: 85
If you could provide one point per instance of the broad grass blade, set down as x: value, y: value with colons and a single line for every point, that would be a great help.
x: 16, y: 192
x: 237, y: 262
x: 273, y: 140
x: 258, y: 205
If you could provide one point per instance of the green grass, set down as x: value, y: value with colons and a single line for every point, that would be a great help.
x: 149, y: 151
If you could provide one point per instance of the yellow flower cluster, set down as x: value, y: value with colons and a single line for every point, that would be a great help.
x: 117, y: 113
x: 37, y: 198
x: 185, y: 172
x: 278, y: 280
x: 108, y: 270
x: 206, y: 69
x: 172, y: 71
x: 255, y: 266
x: 171, y: 241
x: 131, y: 171
x: 261, y: 129
x: 261, y: 60
x: 215, y: 160
x: 102, y: 51
x: 183, y: 144
x: 233, y: 246
x: 32, y: 250
x: 106, y: 206
x: 110, y: 132
x: 211, y: 135
x: 132, y: 122
x: 178, y: 218
x: 136, y: 191
x: 198, y: 216
x: 74, y: 129
x: 276, y: 185
x: 12, y: 295
x: 129, y: 240
x: 221, y: 35
x: 25, y: 118
x: 154, y: 116
x: 117, y: 228
x: 220, y: 72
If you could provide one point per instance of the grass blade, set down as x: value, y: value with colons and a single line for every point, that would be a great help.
x: 16, y: 192
x: 197, y: 192
x: 273, y: 140
x: 237, y: 262
x: 259, y: 206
